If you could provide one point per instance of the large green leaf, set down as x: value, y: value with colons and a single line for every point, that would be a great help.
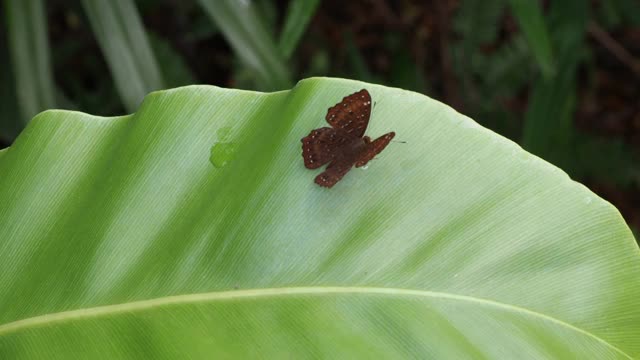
x: 120, y: 239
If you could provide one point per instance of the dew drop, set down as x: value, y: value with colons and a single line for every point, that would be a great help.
x: 588, y: 200
x: 364, y: 167
x: 222, y: 153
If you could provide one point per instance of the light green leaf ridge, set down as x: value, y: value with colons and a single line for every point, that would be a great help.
x: 256, y: 294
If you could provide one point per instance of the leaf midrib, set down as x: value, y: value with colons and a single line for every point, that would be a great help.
x: 273, y: 292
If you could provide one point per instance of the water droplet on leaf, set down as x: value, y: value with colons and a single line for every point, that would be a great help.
x: 222, y: 153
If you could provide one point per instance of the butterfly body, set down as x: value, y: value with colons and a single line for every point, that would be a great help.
x: 343, y: 145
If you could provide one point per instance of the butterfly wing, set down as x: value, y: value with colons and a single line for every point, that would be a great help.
x: 340, y: 145
x: 351, y: 114
x: 321, y: 146
x: 336, y: 170
x: 373, y: 148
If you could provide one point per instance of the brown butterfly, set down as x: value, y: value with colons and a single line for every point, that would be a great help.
x: 343, y: 145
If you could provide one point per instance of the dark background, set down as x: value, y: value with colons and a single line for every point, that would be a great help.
x: 580, y: 112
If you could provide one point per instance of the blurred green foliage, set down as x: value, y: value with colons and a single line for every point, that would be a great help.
x: 540, y: 62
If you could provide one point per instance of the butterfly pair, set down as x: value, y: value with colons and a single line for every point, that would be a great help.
x: 343, y: 145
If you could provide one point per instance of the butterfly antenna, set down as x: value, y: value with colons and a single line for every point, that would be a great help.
x: 397, y: 141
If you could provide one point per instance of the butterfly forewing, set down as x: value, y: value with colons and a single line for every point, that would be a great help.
x: 374, y: 148
x: 351, y: 114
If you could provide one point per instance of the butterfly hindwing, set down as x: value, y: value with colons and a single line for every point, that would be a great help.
x: 351, y: 114
x: 373, y: 148
x: 336, y: 170
x: 321, y: 146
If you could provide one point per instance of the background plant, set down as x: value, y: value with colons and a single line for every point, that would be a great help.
x: 560, y: 77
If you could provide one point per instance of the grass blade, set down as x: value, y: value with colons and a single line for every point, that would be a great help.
x: 548, y: 128
x: 630, y: 10
x: 298, y: 17
x: 532, y: 24
x: 249, y: 38
x: 172, y: 65
x: 29, y: 47
x: 10, y: 123
x: 357, y: 62
x: 123, y: 40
